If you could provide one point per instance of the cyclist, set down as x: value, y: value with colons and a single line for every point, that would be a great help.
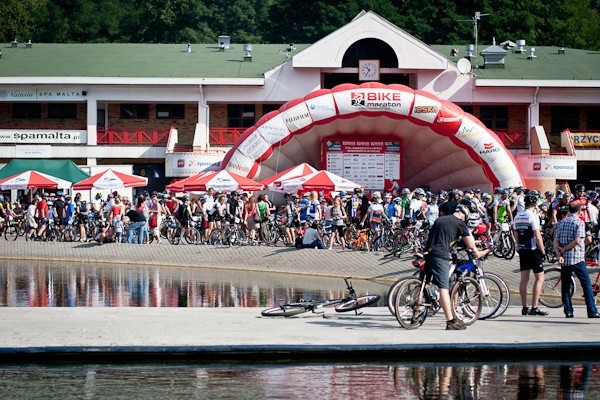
x: 581, y: 199
x: 444, y: 233
x: 503, y: 210
x: 81, y: 211
x: 43, y: 213
x: 561, y: 208
x: 530, y: 243
x: 292, y: 216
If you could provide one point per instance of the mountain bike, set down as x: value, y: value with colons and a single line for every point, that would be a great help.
x: 416, y: 299
x: 551, y: 295
x: 504, y: 242
x: 352, y: 302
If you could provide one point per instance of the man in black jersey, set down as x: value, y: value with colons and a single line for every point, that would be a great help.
x: 444, y: 233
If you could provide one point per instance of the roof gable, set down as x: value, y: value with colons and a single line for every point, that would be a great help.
x: 410, y: 51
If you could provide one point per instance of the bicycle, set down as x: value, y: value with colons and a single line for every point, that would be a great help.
x: 504, y: 242
x: 14, y: 228
x: 551, y: 295
x: 352, y: 302
x: 417, y: 298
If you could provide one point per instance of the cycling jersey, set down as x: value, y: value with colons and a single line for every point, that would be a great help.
x: 525, y: 223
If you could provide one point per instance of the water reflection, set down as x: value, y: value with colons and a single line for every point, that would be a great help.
x: 390, y: 381
x: 54, y: 285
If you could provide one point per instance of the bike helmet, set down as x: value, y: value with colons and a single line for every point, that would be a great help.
x: 397, y: 200
x: 406, y: 191
x: 549, y: 194
x: 592, y: 194
x: 560, y: 193
x: 580, y: 187
x: 376, y: 195
x: 461, y: 208
x: 474, y: 220
x: 185, y: 198
x: 505, y: 191
x: 534, y: 193
x: 420, y: 191
x: 59, y: 193
x: 530, y: 200
x: 486, y: 196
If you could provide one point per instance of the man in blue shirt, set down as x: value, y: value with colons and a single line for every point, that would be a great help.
x: 303, y: 205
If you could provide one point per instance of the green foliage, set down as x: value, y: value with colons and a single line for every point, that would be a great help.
x: 570, y: 23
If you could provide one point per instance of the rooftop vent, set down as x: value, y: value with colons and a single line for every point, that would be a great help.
x: 470, y: 49
x: 14, y: 43
x: 561, y: 50
x: 224, y: 42
x: 520, y: 46
x: 454, y: 52
x: 189, y: 49
x: 291, y: 47
x: 28, y: 44
x: 531, y: 55
x: 247, y: 52
x: 493, y: 57
x: 507, y: 44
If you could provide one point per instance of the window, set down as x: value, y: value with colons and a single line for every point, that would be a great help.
x: 134, y: 111
x: 267, y: 108
x: 467, y: 109
x: 494, y: 117
x: 240, y: 115
x: 62, y: 110
x: 593, y: 119
x: 564, y: 117
x: 27, y: 110
x: 170, y: 111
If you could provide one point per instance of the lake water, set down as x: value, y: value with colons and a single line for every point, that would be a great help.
x: 305, y: 381
x: 30, y: 284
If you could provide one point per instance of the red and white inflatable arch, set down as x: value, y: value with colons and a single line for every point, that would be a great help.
x: 442, y: 146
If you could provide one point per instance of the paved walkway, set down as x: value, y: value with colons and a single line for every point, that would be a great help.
x: 108, y: 333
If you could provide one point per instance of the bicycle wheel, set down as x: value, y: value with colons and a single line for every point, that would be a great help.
x: 466, y: 301
x: 505, y: 296
x: 11, y: 232
x: 189, y: 234
x: 174, y: 235
x: 215, y: 237
x: 285, y: 310
x: 493, y: 295
x: 391, y: 296
x: 552, y: 288
x: 511, y: 246
x: 359, y: 302
x: 410, y: 310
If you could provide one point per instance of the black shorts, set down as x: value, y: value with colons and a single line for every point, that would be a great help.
x: 531, y: 260
x: 339, y: 229
x: 82, y: 219
x: 439, y: 268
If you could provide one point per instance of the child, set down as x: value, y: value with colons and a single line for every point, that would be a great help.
x: 119, y: 226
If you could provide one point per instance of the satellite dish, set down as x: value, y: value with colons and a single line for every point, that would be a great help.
x: 463, y: 65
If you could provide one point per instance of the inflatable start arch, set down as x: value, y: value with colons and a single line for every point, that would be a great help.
x: 442, y: 146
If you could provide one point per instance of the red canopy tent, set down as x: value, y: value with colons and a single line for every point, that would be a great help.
x: 110, y: 180
x: 33, y: 180
x: 274, y: 182
x: 179, y: 185
x: 222, y: 181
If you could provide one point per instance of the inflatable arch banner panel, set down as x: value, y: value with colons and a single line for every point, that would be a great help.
x: 373, y: 100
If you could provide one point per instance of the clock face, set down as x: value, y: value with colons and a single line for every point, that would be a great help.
x: 368, y: 70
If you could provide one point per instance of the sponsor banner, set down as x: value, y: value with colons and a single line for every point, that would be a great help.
x: 376, y: 100
x: 554, y: 167
x: 373, y: 164
x: 471, y: 133
x: 425, y: 109
x: 254, y: 146
x: 586, y: 139
x: 39, y: 151
x: 296, y: 117
x: 41, y: 94
x: 240, y: 164
x: 448, y: 121
x: 321, y: 107
x: 274, y: 130
x: 186, y: 164
x: 45, y: 136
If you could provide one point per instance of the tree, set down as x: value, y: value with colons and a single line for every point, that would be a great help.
x: 18, y: 18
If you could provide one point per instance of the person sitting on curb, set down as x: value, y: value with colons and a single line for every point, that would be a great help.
x: 312, y: 239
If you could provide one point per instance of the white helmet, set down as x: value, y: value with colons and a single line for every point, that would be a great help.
x: 474, y: 220
x: 376, y: 195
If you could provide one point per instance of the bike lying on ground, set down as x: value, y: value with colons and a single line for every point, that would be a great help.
x: 352, y: 302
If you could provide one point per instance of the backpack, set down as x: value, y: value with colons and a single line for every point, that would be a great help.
x: 83, y: 206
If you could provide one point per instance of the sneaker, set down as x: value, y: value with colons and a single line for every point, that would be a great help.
x: 454, y: 325
x: 525, y: 311
x: 537, y: 311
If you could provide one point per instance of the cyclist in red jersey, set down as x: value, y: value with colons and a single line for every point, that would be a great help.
x: 580, y: 198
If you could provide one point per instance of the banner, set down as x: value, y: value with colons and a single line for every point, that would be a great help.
x: 551, y: 167
x: 42, y: 136
x: 186, y: 164
x: 581, y: 139
x: 42, y: 94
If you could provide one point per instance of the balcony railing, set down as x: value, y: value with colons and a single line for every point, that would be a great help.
x: 133, y: 136
x: 512, y: 140
x: 224, y: 136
